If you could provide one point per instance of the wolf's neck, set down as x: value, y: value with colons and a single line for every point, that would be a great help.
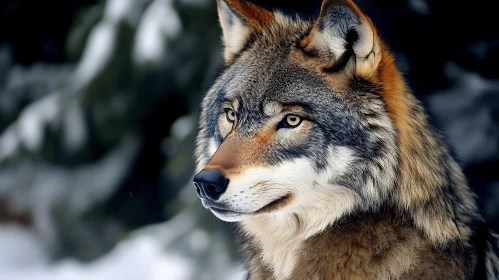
x: 272, y: 243
x: 429, y: 185
x: 278, y: 237
x: 361, y: 245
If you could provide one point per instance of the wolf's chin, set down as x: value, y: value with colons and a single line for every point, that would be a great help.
x: 231, y: 216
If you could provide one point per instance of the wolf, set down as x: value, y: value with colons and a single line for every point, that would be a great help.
x: 311, y: 141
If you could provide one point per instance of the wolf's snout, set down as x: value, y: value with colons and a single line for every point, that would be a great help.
x: 210, y: 184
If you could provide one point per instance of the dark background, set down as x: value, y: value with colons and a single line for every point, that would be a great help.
x: 98, y: 112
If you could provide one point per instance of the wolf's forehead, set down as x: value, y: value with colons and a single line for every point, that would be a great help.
x: 269, y: 85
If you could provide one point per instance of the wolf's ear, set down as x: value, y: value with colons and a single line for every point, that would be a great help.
x: 239, y: 20
x: 341, y: 32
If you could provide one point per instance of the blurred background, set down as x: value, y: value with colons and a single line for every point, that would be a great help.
x: 98, y: 110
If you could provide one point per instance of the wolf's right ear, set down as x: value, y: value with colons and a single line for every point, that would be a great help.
x: 239, y: 20
x: 342, y: 33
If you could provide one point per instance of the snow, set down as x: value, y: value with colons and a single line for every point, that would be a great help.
x: 102, y: 40
x: 29, y: 129
x: 159, y: 23
x: 94, y: 183
x: 9, y: 143
x: 39, y: 188
x: 123, y: 10
x: 75, y: 132
x: 97, y: 54
x: 156, y: 252
x: 183, y: 126
x: 32, y: 120
x: 19, y: 248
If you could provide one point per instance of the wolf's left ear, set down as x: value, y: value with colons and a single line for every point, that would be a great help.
x: 239, y: 20
x: 341, y: 32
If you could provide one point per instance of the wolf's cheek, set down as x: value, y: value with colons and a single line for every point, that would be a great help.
x: 256, y: 188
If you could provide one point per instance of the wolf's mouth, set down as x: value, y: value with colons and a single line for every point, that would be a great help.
x: 275, y: 204
x: 225, y: 211
x: 272, y: 206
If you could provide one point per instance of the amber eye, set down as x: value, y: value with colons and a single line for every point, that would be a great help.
x: 230, y: 114
x: 292, y: 121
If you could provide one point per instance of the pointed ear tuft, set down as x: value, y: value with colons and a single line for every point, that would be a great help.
x: 239, y: 20
x: 342, y: 30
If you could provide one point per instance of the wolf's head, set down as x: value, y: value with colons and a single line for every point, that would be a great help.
x: 296, y: 123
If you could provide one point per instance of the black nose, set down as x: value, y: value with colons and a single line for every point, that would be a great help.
x: 210, y: 184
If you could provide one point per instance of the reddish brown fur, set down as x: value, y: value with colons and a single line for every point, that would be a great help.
x: 257, y: 17
x: 420, y: 178
x: 236, y: 154
x: 304, y: 42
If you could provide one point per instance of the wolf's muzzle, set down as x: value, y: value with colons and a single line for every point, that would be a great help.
x: 210, y: 184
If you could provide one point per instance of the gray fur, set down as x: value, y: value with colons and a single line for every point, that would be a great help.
x: 357, y: 118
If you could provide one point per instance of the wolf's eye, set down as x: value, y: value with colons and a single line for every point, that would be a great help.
x: 230, y: 114
x: 292, y: 121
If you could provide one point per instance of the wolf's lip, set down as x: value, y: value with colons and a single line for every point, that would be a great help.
x: 266, y: 208
x: 226, y: 211
x: 220, y: 207
x: 275, y: 204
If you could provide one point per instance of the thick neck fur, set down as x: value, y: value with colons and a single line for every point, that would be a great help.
x: 367, y: 246
x: 430, y: 185
x: 279, y: 236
